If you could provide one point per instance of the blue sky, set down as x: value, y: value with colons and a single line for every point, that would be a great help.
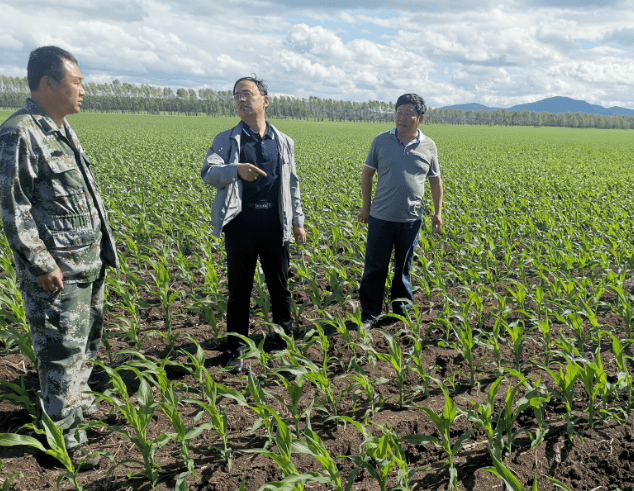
x: 453, y: 51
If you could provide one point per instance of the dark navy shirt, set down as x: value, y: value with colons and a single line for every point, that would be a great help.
x: 263, y: 153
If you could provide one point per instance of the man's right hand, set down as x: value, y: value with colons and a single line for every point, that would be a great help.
x: 364, y: 215
x: 249, y: 172
x: 51, y: 282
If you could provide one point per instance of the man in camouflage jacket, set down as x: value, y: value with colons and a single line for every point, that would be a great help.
x: 57, y: 227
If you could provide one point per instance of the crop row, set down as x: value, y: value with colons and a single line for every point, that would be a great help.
x: 529, y: 289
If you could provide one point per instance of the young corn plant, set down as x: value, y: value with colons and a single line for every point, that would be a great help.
x: 624, y: 309
x: 443, y: 422
x: 464, y: 345
x: 565, y: 392
x: 255, y: 351
x: 261, y: 408
x: 516, y: 341
x: 129, y: 323
x: 502, y: 471
x: 57, y: 447
x: 544, y: 327
x: 6, y: 485
x: 218, y: 413
x: 339, y: 323
x: 138, y: 417
x: 537, y: 398
x: 12, y: 312
x: 20, y: 396
x: 398, y: 362
x: 483, y: 418
x: 421, y: 369
x: 594, y: 379
x: 313, y: 445
x: 624, y: 376
x: 413, y: 319
x: 169, y: 404
x: 162, y: 283
x: 292, y: 478
x: 295, y: 392
x: 376, y: 456
x: 510, y: 412
x: 261, y: 296
x: 197, y: 365
x: 365, y: 387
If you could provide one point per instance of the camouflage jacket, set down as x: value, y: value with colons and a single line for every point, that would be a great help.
x: 52, y: 212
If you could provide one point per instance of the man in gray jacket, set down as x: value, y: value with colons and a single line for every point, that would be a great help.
x: 57, y: 226
x: 257, y: 206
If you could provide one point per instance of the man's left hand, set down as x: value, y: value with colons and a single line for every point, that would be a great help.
x: 300, y: 235
x: 436, y: 224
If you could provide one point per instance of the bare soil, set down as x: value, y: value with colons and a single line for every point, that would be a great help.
x: 599, y: 458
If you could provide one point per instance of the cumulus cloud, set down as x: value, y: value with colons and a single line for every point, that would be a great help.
x: 623, y: 36
x: 499, y: 53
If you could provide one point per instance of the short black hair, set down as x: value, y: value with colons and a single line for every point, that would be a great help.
x: 264, y: 90
x: 47, y: 61
x: 415, y: 100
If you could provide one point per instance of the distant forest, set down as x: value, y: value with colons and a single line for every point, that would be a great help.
x: 129, y: 98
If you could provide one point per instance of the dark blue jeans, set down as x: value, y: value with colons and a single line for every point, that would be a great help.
x: 383, y: 236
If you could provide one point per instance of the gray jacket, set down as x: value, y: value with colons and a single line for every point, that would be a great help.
x: 220, y: 169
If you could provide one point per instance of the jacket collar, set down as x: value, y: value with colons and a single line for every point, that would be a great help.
x: 47, y: 124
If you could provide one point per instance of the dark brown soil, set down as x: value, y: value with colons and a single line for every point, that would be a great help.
x: 598, y: 458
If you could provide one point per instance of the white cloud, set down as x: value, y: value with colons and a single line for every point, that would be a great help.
x: 497, y: 53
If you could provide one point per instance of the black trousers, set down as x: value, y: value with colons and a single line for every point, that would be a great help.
x: 251, y: 235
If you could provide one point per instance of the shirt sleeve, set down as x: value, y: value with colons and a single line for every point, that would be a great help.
x: 434, y: 168
x: 371, y: 159
x: 16, y: 182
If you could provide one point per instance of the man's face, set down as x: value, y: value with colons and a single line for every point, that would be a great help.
x: 68, y: 95
x: 407, y: 119
x: 249, y: 102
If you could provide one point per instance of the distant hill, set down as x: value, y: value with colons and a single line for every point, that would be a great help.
x: 552, y: 105
x: 472, y: 107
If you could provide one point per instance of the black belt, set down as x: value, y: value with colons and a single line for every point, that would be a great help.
x: 262, y: 205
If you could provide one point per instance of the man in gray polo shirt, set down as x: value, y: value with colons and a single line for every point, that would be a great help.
x: 404, y: 159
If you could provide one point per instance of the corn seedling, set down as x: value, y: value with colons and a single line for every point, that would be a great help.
x: 137, y: 416
x: 218, y: 413
x: 365, y: 387
x: 284, y: 441
x: 443, y: 422
x: 395, y: 357
x: 565, y: 391
x: 313, y: 445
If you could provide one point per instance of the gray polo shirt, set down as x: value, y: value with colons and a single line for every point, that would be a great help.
x: 402, y: 171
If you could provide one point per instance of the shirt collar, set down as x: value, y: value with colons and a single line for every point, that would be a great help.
x: 252, y: 134
x: 420, y: 137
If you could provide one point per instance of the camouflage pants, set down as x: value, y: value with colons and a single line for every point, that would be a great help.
x: 66, y: 328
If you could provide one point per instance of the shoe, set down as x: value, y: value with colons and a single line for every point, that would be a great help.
x: 273, y: 343
x: 369, y: 324
x: 84, y: 458
x: 236, y: 362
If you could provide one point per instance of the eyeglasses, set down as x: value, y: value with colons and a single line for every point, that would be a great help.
x: 243, y: 95
x: 406, y: 114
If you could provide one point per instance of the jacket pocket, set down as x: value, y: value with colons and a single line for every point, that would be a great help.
x: 66, y: 214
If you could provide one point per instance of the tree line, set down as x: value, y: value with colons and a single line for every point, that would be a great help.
x: 131, y: 98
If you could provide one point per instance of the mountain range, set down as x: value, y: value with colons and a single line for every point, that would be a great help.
x: 551, y: 105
